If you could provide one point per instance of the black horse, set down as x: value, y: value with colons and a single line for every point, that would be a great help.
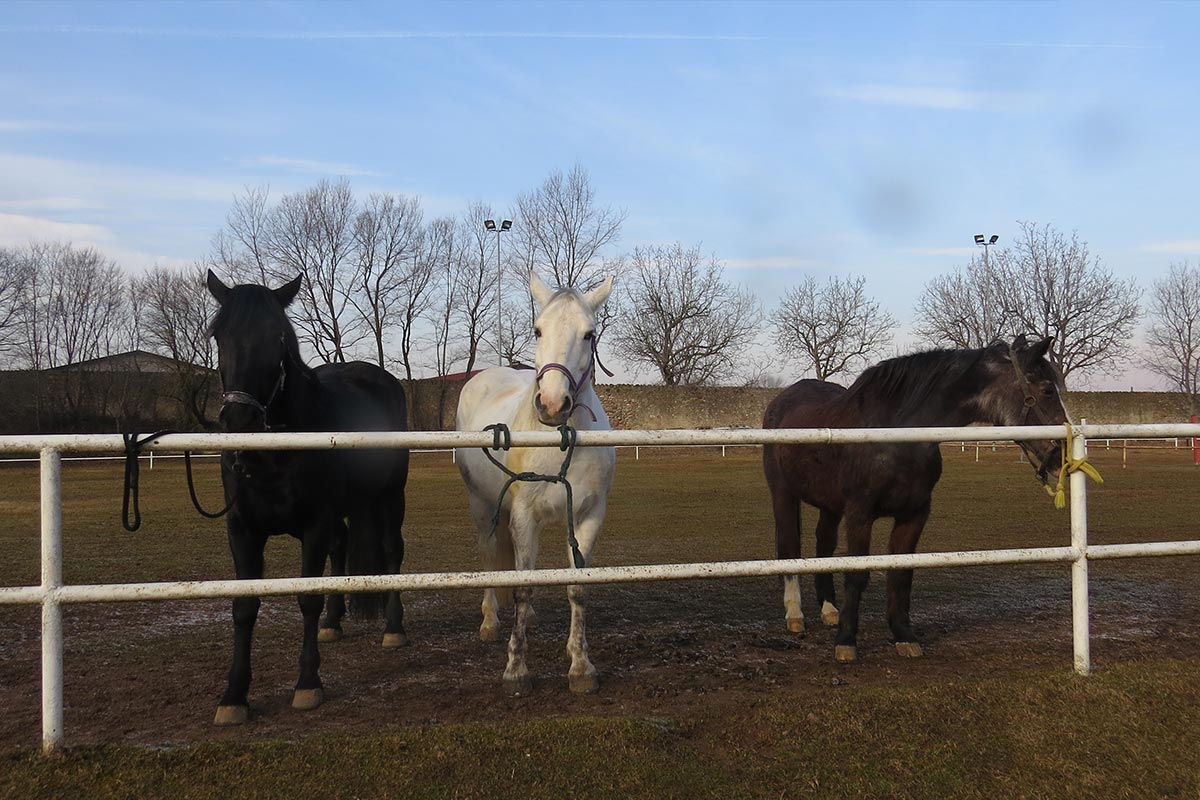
x: 1005, y: 384
x: 345, y: 505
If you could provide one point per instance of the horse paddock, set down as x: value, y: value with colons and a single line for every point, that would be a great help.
x: 703, y: 690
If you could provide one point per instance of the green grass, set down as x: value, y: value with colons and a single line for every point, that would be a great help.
x: 1121, y: 734
x: 1022, y: 727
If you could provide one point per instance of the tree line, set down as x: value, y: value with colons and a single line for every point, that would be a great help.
x: 446, y: 295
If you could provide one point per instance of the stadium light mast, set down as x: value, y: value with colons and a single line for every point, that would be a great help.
x: 503, y: 227
x: 985, y: 244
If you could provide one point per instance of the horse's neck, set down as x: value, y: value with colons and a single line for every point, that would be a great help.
x: 938, y: 408
x: 301, y: 397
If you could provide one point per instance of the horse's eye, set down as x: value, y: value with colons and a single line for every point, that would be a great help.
x: 589, y: 335
x: 537, y: 333
x: 1048, y: 390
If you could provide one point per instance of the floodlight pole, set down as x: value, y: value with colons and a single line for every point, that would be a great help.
x: 985, y: 244
x: 505, y: 225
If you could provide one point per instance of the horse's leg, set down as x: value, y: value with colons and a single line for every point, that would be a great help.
x: 391, y: 522
x: 858, y: 543
x: 827, y: 528
x: 524, y: 531
x: 496, y: 554
x: 905, y: 535
x: 335, y: 604
x: 314, y: 551
x: 247, y: 550
x: 582, y: 676
x: 787, y: 545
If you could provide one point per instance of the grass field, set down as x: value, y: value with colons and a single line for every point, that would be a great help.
x: 704, y: 694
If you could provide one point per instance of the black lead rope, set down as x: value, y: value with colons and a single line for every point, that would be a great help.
x: 133, y: 450
x: 502, y: 440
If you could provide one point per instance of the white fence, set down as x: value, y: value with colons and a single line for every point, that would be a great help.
x: 52, y: 594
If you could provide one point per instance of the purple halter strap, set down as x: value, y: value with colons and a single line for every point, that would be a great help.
x: 576, y: 385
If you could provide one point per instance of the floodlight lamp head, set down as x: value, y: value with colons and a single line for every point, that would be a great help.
x: 979, y: 238
x: 506, y: 224
x: 490, y: 224
x: 994, y: 239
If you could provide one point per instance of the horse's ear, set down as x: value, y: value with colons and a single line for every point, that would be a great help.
x: 218, y: 290
x: 1020, y: 343
x: 599, y: 296
x: 540, y: 291
x: 1038, y: 350
x: 287, y: 293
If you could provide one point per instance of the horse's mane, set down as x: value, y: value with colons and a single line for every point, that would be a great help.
x: 900, y: 389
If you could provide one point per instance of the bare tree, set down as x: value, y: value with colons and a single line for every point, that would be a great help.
x: 1053, y: 286
x: 682, y: 318
x: 1174, y: 337
x: 15, y: 275
x: 177, y: 310
x: 561, y: 231
x: 416, y: 295
x: 831, y: 329
x: 243, y: 248
x: 1045, y: 284
x: 962, y: 309
x: 386, y: 240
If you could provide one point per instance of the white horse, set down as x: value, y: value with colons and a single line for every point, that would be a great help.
x: 559, y: 391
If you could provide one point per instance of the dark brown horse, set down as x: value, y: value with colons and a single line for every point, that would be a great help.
x: 1005, y: 384
x: 345, y: 505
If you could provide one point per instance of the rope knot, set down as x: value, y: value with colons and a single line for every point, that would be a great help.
x: 1070, y: 465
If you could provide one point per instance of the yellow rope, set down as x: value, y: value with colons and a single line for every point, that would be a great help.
x: 1069, y: 465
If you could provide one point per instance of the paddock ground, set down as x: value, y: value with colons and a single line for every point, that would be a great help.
x: 703, y: 694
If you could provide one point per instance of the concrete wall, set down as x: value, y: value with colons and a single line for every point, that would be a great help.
x: 653, y: 407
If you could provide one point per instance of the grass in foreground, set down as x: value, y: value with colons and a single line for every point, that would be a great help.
x: 1126, y: 733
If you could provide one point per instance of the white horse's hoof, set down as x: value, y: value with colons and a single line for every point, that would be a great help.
x: 489, y: 633
x: 307, y: 699
x: 520, y: 686
x: 393, y: 640
x: 829, y: 613
x: 909, y: 649
x: 329, y: 635
x: 845, y: 653
x: 796, y: 625
x: 587, y: 683
x: 231, y: 715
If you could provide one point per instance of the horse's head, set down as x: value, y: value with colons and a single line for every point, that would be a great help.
x: 566, y: 346
x: 1026, y: 389
x: 253, y: 338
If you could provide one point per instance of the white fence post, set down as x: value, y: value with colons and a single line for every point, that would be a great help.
x: 52, y: 643
x: 1079, y: 569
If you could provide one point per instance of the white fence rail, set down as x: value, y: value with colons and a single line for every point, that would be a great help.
x: 51, y: 594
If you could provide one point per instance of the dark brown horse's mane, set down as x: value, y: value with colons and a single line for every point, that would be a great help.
x: 905, y: 388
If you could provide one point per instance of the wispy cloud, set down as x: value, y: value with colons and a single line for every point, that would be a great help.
x: 769, y: 262
x: 1186, y: 247
x: 935, y: 97
x: 957, y: 252
x: 213, y: 33
x: 36, y: 126
x: 306, y: 166
x: 47, y: 204
x: 17, y: 230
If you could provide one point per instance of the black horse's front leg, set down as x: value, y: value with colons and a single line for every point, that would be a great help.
x: 309, y: 693
x: 858, y: 543
x: 247, y: 549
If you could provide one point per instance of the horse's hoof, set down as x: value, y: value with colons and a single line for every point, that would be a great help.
x: 329, y: 635
x: 307, y: 699
x: 521, y: 686
x: 489, y: 633
x: 393, y: 640
x: 587, y: 683
x: 845, y: 653
x: 231, y: 715
x: 909, y: 649
x: 796, y: 625
x: 829, y: 613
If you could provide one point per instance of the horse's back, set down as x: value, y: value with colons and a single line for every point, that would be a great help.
x: 804, y: 404
x: 366, y: 397
x: 491, y: 397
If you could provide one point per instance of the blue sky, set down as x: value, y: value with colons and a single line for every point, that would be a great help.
x: 787, y: 139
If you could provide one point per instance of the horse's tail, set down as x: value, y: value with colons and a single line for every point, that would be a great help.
x: 497, y: 552
x: 365, y: 556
